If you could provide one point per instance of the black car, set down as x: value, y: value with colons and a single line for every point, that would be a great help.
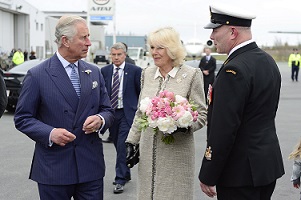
x: 13, y: 79
x: 101, y: 56
x: 195, y: 63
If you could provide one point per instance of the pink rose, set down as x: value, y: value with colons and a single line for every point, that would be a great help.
x: 178, y: 112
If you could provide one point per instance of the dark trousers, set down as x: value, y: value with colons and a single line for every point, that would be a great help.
x: 119, y: 131
x: 83, y: 191
x: 295, y: 72
x: 246, y: 193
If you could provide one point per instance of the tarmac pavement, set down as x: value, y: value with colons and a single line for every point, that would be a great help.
x: 16, y: 152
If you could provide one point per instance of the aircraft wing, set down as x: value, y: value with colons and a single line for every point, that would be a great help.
x: 286, y: 32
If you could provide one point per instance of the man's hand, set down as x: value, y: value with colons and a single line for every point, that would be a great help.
x: 206, y: 72
x: 61, y: 136
x: 92, y: 124
x: 209, y: 190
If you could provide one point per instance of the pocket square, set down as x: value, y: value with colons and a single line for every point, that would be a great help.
x: 94, y: 84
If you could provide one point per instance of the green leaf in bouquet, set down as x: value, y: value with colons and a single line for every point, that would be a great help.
x: 168, y: 139
x: 194, y: 106
x: 143, y: 123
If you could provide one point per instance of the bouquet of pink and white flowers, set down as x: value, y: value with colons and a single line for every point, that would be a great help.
x: 167, y: 112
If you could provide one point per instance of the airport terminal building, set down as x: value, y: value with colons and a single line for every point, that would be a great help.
x: 26, y: 27
x: 23, y: 26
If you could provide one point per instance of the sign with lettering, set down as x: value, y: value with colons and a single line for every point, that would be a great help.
x: 101, y: 7
x: 100, y: 18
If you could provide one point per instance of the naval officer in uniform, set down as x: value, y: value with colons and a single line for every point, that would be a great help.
x: 242, y: 160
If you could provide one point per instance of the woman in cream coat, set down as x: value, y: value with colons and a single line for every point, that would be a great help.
x: 166, y: 171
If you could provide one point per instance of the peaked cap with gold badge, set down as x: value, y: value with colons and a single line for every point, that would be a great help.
x: 225, y: 15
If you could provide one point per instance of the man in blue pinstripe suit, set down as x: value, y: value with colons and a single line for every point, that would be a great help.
x: 68, y: 157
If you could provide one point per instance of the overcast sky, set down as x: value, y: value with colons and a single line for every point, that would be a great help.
x: 188, y: 17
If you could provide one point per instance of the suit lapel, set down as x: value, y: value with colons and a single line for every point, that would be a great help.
x: 62, y: 81
x: 109, y: 74
x: 85, y: 85
x: 125, y: 77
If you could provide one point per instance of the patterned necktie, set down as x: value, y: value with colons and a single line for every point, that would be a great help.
x: 115, y: 89
x: 75, y: 79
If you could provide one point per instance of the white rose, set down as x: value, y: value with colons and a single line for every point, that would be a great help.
x: 180, y: 99
x: 152, y: 123
x: 166, y: 124
x: 185, y: 120
x: 144, y: 103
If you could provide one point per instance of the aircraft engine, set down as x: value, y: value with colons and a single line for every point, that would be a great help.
x: 209, y: 43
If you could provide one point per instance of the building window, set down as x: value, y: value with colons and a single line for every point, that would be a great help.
x: 41, y: 27
x: 37, y: 26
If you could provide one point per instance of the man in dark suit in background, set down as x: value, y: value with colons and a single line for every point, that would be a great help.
x: 109, y: 139
x: 208, y: 66
x: 3, y: 94
x: 243, y: 157
x: 64, y: 106
x: 125, y: 106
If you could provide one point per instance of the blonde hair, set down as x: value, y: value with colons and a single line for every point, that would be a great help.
x: 296, y: 152
x: 168, y: 38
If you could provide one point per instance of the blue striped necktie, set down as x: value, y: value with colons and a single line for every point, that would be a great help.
x: 115, y: 89
x: 75, y: 79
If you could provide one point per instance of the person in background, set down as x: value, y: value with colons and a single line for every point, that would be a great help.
x: 243, y: 157
x: 109, y: 139
x: 18, y: 57
x: 3, y: 94
x: 25, y: 53
x: 11, y: 54
x: 296, y: 172
x: 166, y: 171
x: 208, y: 66
x: 63, y: 107
x: 127, y: 93
x: 32, y: 55
x: 294, y: 62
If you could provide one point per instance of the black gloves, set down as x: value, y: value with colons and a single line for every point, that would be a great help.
x: 132, y: 154
x: 129, y: 150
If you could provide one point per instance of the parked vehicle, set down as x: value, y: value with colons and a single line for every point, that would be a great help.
x: 140, y: 56
x: 13, y: 79
x: 101, y: 56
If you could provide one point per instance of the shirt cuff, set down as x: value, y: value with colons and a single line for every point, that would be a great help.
x: 50, y: 143
x: 103, y: 124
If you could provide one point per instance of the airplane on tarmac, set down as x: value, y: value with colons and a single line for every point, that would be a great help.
x: 195, y: 48
x: 286, y: 32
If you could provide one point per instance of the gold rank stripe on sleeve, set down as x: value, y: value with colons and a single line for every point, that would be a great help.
x: 231, y: 71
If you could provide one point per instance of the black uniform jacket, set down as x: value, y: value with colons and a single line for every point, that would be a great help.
x: 242, y: 145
